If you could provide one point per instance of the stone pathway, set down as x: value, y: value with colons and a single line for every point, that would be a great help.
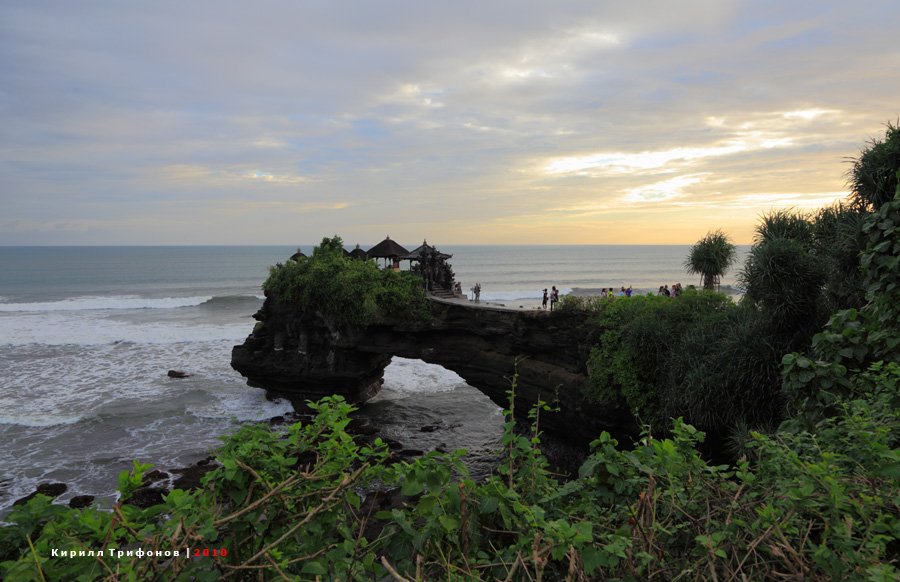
x: 514, y: 305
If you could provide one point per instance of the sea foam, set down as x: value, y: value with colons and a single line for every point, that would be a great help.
x: 112, y: 302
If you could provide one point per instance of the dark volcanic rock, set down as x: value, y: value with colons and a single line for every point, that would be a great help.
x: 48, y: 489
x: 178, y: 374
x: 154, y: 476
x: 81, y: 501
x: 147, y: 497
x: 190, y: 476
x: 310, y: 356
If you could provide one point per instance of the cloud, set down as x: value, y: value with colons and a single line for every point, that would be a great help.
x: 665, y: 190
x: 483, y: 118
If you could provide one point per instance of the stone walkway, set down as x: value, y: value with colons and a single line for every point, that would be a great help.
x: 513, y: 305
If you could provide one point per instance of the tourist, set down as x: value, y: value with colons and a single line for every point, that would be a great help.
x: 629, y: 291
x: 554, y: 297
x: 603, y: 293
x: 477, y: 290
x: 622, y: 292
x: 544, y: 302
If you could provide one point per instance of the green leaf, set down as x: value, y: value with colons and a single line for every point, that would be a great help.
x: 592, y: 558
x: 314, y: 568
x: 583, y: 531
x: 489, y: 504
x: 412, y: 488
x: 450, y: 524
x: 891, y: 471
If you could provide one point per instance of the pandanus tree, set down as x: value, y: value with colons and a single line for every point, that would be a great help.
x: 711, y: 257
x: 873, y: 180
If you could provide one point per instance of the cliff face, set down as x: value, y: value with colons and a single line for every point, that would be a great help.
x: 308, y: 356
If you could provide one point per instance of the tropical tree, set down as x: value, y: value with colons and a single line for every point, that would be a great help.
x: 873, y: 179
x: 711, y: 257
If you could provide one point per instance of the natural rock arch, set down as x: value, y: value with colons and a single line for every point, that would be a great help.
x: 306, y: 355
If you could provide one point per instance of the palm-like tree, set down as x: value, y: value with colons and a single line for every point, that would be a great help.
x: 711, y: 257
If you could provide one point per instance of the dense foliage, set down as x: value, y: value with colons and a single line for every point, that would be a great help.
x: 304, y: 507
x: 638, y: 336
x: 348, y: 290
x: 718, y: 365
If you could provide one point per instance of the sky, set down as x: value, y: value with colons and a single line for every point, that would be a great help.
x: 489, y: 122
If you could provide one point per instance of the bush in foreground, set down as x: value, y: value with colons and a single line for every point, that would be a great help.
x: 303, y: 506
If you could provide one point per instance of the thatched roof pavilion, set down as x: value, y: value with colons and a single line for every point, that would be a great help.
x: 416, y: 255
x: 388, y: 249
x: 296, y: 255
x: 358, y: 253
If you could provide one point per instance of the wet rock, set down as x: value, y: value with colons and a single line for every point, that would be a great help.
x: 154, y: 476
x: 190, y: 476
x: 147, y: 497
x: 429, y: 428
x: 179, y: 374
x: 48, y: 489
x: 411, y: 453
x: 392, y: 444
x: 81, y: 501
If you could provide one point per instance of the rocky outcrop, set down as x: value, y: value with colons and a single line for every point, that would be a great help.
x: 307, y: 355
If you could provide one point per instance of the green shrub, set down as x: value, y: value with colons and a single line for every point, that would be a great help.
x: 348, y: 290
x: 628, y: 366
x: 294, y: 507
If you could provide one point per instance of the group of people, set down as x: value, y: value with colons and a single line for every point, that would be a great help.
x: 611, y: 293
x: 553, y: 296
x: 675, y: 290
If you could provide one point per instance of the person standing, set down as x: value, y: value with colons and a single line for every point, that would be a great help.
x: 477, y: 292
x: 544, y: 302
x: 554, y: 297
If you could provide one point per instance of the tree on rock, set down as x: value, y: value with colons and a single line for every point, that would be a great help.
x: 711, y: 257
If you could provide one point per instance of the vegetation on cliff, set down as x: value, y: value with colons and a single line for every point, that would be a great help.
x: 348, y: 290
x: 718, y: 364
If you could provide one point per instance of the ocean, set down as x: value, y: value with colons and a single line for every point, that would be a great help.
x: 88, y: 334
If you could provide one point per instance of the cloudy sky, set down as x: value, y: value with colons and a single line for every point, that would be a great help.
x: 489, y: 122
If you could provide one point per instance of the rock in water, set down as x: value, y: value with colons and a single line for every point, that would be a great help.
x: 48, y: 489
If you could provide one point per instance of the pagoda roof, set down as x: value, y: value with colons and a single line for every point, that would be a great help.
x: 416, y: 255
x: 386, y: 249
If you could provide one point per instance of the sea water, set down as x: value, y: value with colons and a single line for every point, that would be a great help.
x: 88, y: 334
